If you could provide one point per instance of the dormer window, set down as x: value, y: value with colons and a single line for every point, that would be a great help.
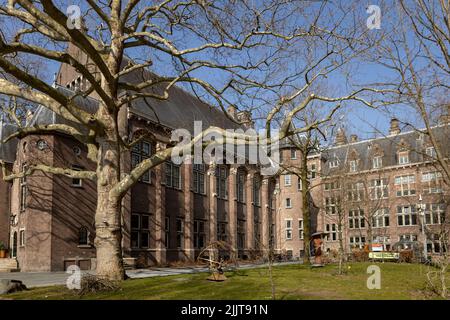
x: 430, y: 152
x: 334, y: 163
x: 377, y: 162
x: 353, y: 165
x: 403, y: 157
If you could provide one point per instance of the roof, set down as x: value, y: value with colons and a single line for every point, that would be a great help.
x: 386, y: 147
x: 44, y: 116
x: 180, y: 110
x: 7, y: 150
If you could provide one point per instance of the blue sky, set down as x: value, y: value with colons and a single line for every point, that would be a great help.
x: 357, y: 118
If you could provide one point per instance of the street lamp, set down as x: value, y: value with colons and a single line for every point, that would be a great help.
x: 421, y: 208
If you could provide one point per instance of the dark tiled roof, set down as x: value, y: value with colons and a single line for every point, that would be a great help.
x: 388, y: 146
x: 179, y: 111
x: 7, y: 150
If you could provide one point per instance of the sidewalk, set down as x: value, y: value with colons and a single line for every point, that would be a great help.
x: 42, y: 279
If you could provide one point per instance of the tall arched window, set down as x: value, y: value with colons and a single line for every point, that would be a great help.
x: 83, y: 236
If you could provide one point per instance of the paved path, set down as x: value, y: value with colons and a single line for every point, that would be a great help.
x: 42, y: 279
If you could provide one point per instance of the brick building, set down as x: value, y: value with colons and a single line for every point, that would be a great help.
x: 175, y: 210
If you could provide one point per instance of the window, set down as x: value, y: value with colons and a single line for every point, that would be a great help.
x: 180, y: 233
x: 377, y: 162
x: 222, y: 231
x: 331, y: 205
x: 406, y: 215
x: 199, y: 234
x: 257, y: 191
x: 332, y: 232
x: 221, y: 182
x: 300, y: 229
x: 77, y: 182
x: 434, y: 213
x: 141, y: 151
x: 405, y: 185
x: 241, y: 234
x: 435, y: 245
x: 353, y: 165
x: 334, y: 163
x: 312, y: 171
x: 430, y: 152
x: 332, y: 185
x: 299, y: 184
x: 287, y: 180
x: 198, y: 172
x: 140, y: 227
x: 403, y: 157
x: 83, y: 236
x: 173, y: 176
x: 288, y: 203
x: 431, y: 182
x: 288, y: 229
x: 23, y: 189
x: 407, y: 238
x: 22, y: 237
x: 380, y: 218
x: 240, y: 186
x: 355, y: 191
x: 356, y: 219
x: 378, y: 189
x: 167, y: 232
x: 293, y: 154
x: 357, y: 242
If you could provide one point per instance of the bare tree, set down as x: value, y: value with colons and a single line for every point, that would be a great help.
x: 415, y: 55
x: 246, y: 45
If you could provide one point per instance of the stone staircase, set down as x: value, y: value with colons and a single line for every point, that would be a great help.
x: 8, y: 265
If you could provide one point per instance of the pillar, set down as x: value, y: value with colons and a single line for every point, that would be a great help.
x: 250, y: 212
x: 232, y: 209
x: 160, y: 212
x: 265, y: 211
x: 188, y: 212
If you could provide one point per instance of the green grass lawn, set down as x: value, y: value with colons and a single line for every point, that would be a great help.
x: 398, y: 281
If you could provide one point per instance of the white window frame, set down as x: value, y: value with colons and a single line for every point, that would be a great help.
x: 407, y: 185
x: 288, y: 203
x: 288, y: 228
x: 380, y: 217
x: 377, y: 162
x: 403, y: 157
x: 77, y: 182
x: 22, y: 237
x: 293, y: 154
x: 353, y: 165
x: 287, y: 180
x: 406, y: 213
x: 301, y: 234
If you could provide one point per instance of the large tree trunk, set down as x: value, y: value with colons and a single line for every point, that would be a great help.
x: 108, y: 241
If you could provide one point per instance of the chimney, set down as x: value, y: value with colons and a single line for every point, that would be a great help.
x: 340, y: 137
x: 353, y: 138
x: 394, y: 129
x: 245, y: 117
x: 232, y: 111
